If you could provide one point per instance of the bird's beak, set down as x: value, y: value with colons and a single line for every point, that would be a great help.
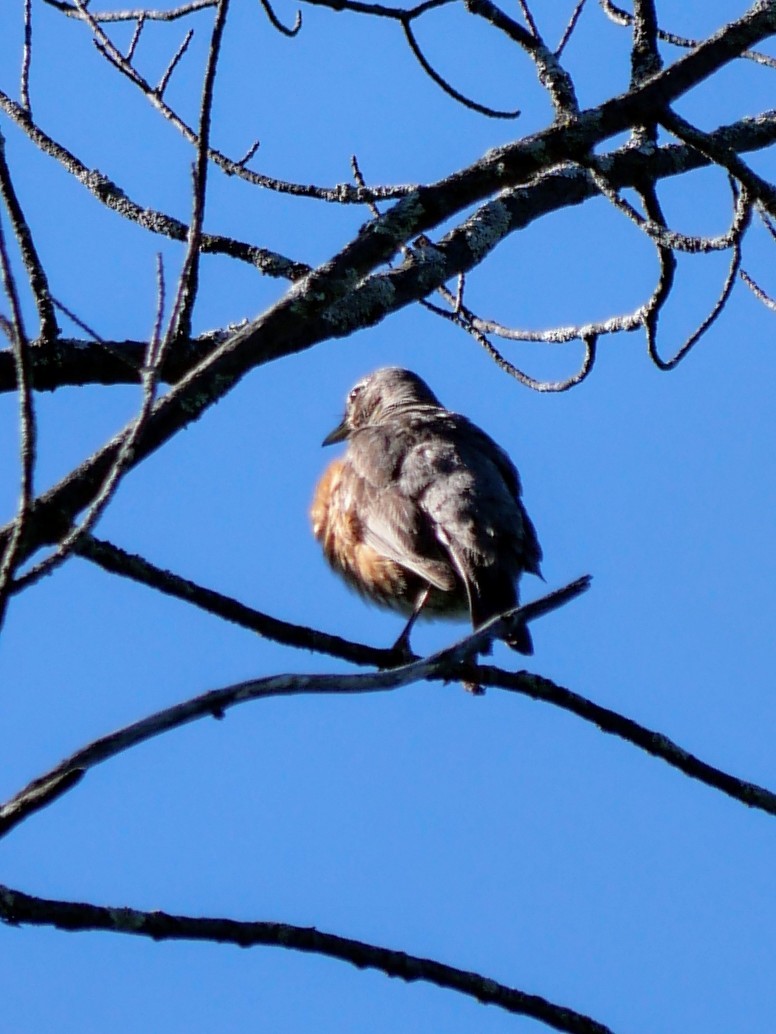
x: 339, y: 434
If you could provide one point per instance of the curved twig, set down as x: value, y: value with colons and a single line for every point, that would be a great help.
x: 276, y: 22
x: 450, y: 90
x: 694, y: 338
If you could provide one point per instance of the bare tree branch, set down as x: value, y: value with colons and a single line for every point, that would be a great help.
x: 570, y: 27
x: 180, y: 319
x: 445, y: 665
x: 551, y: 74
x: 110, y: 194
x: 11, y: 554
x: 18, y: 908
x: 35, y: 271
x: 24, y: 87
x: 138, y: 14
x: 758, y: 292
x: 129, y: 565
x: 622, y: 17
x: 276, y: 22
x: 452, y: 663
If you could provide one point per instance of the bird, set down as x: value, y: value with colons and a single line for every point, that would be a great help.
x: 423, y: 513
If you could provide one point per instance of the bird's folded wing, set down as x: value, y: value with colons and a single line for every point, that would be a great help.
x: 397, y: 529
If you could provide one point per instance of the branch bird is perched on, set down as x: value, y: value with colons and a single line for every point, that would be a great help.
x: 423, y: 512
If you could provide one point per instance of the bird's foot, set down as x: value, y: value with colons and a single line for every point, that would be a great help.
x: 402, y: 650
x: 474, y: 688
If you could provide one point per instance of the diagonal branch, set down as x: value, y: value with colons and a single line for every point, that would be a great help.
x: 129, y: 565
x: 443, y: 665
x: 720, y: 154
x: 451, y: 664
x: 35, y: 271
x: 17, y: 908
x: 307, y: 313
x: 464, y: 247
x: 270, y: 263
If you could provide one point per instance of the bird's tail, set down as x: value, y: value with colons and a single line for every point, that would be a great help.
x: 496, y: 595
x: 521, y: 641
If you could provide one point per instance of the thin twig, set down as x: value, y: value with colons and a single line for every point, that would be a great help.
x: 758, y: 292
x: 276, y: 22
x: 115, y: 353
x: 667, y: 264
x: 341, y: 194
x: 135, y: 37
x: 36, y: 274
x: 162, y: 84
x: 270, y: 263
x: 180, y: 319
x: 24, y: 87
x: 191, y: 7
x: 568, y: 31
x: 448, y: 88
x: 694, y: 338
x: 121, y: 463
x: 529, y: 18
x: 11, y: 553
x: 462, y: 317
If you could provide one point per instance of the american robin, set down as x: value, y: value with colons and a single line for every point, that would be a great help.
x: 423, y: 513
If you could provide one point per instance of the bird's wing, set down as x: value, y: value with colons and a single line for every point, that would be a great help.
x: 532, y: 551
x: 392, y: 522
x: 397, y: 529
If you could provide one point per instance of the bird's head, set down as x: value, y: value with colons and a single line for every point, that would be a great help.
x: 379, y: 395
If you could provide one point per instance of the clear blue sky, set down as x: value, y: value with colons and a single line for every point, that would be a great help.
x: 495, y: 834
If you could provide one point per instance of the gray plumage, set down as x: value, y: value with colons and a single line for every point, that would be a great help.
x: 434, y: 494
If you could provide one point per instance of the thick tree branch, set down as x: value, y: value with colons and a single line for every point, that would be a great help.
x: 79, y: 362
x: 307, y: 313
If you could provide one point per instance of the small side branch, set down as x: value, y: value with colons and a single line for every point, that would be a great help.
x: 36, y: 274
x: 129, y: 565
